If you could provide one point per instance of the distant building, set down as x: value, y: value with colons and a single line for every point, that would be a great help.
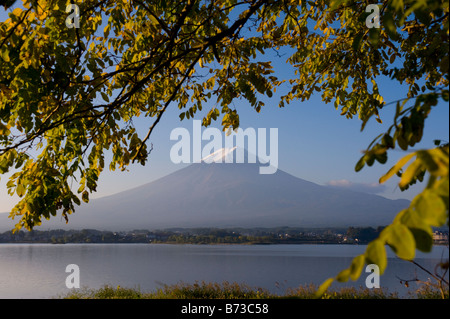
x: 440, y: 237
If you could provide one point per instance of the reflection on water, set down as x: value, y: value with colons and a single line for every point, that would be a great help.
x: 38, y: 270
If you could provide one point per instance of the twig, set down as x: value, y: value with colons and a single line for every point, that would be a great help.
x: 430, y: 273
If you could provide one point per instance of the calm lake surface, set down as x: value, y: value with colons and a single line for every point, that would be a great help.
x: 39, y: 270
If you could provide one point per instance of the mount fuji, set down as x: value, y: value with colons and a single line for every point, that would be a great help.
x: 212, y: 194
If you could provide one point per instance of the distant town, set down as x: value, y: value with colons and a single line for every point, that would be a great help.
x: 255, y: 236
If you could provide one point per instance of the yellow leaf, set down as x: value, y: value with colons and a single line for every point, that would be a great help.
x: 17, y: 12
x: 323, y: 287
x: 356, y: 267
x: 411, y: 171
x: 435, y: 161
x: 343, y: 275
x: 31, y: 16
x: 5, y: 55
x: 396, y: 167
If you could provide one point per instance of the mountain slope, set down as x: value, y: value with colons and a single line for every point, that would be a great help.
x: 231, y: 195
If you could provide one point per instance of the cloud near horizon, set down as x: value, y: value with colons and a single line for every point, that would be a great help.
x: 371, y: 188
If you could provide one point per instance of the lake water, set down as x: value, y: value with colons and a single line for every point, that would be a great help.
x: 39, y: 270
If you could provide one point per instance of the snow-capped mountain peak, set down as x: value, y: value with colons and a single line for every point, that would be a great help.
x: 224, y: 155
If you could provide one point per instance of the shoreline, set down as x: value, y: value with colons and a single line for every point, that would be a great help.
x: 210, y: 236
x: 226, y: 290
x: 193, y: 244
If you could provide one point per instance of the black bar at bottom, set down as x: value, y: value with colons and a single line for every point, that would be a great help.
x: 219, y: 308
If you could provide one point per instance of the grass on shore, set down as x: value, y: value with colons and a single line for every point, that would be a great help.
x: 227, y: 290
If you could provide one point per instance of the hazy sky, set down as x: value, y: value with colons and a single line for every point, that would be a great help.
x: 315, y: 143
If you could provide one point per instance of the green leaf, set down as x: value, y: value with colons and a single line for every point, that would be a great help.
x: 392, y: 59
x: 388, y: 141
x: 444, y: 64
x: 376, y: 254
x: 441, y: 188
x: 430, y: 208
x: 85, y: 197
x: 401, y: 240
x: 357, y: 41
x: 410, y: 218
x: 435, y: 161
x: 423, y: 239
x: 374, y: 36
x: 402, y: 142
x: 359, y: 166
x: 20, y: 190
x: 105, y: 96
x: 76, y: 200
x: 389, y: 24
x: 10, y: 184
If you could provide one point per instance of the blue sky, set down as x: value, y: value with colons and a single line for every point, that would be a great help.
x: 315, y: 143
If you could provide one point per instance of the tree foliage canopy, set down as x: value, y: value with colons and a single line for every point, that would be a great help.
x: 137, y: 57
